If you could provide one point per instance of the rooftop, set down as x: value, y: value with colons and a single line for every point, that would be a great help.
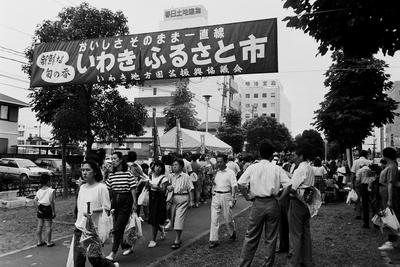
x: 5, y: 99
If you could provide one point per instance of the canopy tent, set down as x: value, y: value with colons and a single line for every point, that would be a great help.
x: 191, y: 140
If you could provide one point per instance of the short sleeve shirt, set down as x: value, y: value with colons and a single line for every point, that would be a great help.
x: 182, y: 183
x: 224, y: 180
x: 121, y: 182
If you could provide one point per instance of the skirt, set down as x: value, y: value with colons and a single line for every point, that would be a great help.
x: 157, y: 208
x: 319, y: 183
x: 180, y: 204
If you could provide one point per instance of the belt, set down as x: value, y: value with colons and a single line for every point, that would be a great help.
x: 221, y: 192
x: 181, y: 194
x: 265, y: 197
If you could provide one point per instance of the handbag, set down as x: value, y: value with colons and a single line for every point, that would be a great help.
x: 143, y: 199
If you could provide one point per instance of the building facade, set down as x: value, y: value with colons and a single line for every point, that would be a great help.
x: 392, y: 130
x: 9, y: 108
x: 264, y: 98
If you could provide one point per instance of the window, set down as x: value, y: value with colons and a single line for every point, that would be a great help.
x: 154, y: 91
x: 264, y: 105
x: 255, y: 95
x: 273, y: 83
x: 272, y: 94
x: 255, y: 105
x: 21, y: 133
x: 20, y: 142
x: 265, y: 83
x: 247, y: 83
x: 255, y: 83
x: 264, y: 95
x: 273, y: 115
x: 247, y: 105
x: 264, y: 114
x: 247, y: 95
x: 247, y: 116
x: 4, y: 112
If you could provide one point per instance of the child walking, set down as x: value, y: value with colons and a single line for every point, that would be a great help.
x: 46, y: 212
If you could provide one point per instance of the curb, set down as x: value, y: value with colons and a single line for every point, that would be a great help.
x: 34, y: 246
x: 190, y: 242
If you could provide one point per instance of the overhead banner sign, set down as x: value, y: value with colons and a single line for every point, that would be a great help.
x: 226, y: 49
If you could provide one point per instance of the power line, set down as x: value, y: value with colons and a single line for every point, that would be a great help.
x: 13, y: 60
x: 12, y: 53
x: 15, y: 86
x: 13, y: 78
x: 16, y: 30
x: 12, y: 50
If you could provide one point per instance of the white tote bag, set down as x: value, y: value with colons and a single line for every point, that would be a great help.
x: 390, y: 220
x: 143, y: 199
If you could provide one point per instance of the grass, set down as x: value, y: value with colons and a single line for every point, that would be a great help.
x: 18, y: 226
x: 338, y: 240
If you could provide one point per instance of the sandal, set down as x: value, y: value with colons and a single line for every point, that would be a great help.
x: 41, y: 244
x: 176, y: 245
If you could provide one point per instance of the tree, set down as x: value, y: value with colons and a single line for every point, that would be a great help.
x: 360, y: 28
x: 356, y: 102
x: 261, y: 128
x: 313, y: 142
x: 231, y: 131
x: 181, y: 108
x: 103, y: 115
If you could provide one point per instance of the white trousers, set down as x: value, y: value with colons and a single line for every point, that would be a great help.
x: 221, y: 212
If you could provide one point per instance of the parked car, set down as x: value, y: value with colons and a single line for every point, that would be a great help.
x: 18, y: 171
x: 54, y: 165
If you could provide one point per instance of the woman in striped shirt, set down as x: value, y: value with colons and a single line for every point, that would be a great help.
x: 122, y: 186
x: 183, y: 197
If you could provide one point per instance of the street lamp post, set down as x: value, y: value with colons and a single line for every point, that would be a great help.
x: 207, y: 98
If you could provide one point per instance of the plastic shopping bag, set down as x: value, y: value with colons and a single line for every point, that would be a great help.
x: 377, y: 220
x: 105, y: 226
x: 70, y: 259
x: 389, y: 220
x: 133, y: 230
x: 143, y: 199
x: 351, y: 197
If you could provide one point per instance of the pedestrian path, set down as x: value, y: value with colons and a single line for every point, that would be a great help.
x: 197, y: 222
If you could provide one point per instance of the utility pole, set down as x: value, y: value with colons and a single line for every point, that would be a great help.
x: 223, y: 105
x: 207, y: 98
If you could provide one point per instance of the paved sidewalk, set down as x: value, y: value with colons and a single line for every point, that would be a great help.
x: 197, y: 222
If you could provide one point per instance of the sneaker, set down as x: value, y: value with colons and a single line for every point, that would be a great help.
x: 127, y: 252
x: 386, y: 246
x: 111, y: 257
x: 152, y: 244
x: 116, y: 264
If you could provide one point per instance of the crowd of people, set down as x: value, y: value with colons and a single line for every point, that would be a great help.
x: 285, y: 191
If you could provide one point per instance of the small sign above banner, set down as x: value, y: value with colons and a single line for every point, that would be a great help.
x: 226, y: 49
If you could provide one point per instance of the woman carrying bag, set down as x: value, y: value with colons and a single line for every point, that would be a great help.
x: 95, y: 193
x: 122, y: 185
x: 157, y: 201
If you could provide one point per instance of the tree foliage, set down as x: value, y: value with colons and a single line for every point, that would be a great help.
x: 356, y: 102
x: 261, y: 128
x: 85, y: 112
x: 181, y: 108
x: 231, y: 131
x: 358, y: 27
x: 312, y: 141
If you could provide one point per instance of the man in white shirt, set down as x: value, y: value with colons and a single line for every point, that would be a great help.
x: 265, y: 180
x: 357, y: 164
x: 223, y: 200
x: 300, y: 247
x: 233, y: 165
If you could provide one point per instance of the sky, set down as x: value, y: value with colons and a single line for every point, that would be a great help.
x: 300, y: 69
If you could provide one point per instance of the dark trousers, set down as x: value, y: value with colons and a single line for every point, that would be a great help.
x: 300, y: 250
x: 365, y: 203
x: 122, y: 205
x: 284, y: 224
x: 80, y: 254
x: 265, y: 214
